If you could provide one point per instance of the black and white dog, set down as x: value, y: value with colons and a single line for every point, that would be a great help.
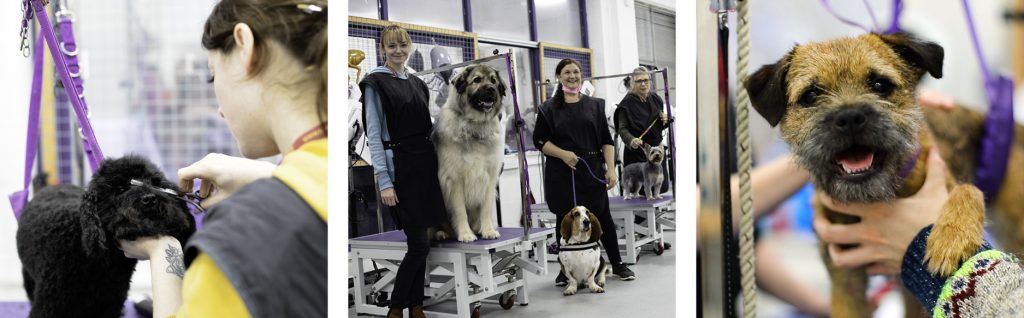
x: 68, y: 237
x: 580, y: 255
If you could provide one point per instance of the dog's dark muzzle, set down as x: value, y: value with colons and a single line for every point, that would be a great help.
x: 851, y: 119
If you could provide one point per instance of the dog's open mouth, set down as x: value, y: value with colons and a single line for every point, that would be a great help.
x: 486, y: 102
x: 857, y: 162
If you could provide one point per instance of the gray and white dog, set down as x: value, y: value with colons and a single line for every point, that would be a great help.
x: 645, y: 174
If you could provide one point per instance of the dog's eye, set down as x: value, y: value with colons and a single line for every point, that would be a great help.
x: 809, y: 97
x: 477, y: 80
x: 882, y: 86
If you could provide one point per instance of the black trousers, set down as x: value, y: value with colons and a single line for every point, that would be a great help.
x: 409, y: 281
x: 609, y: 239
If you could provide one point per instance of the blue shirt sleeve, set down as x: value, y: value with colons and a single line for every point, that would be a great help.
x: 380, y: 158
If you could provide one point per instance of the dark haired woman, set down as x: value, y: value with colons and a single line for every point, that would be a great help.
x: 572, y: 131
x: 262, y: 250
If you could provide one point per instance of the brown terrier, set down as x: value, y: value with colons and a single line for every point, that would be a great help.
x: 847, y: 109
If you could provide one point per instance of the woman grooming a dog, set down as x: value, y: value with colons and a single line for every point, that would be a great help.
x: 639, y: 120
x: 262, y: 250
x: 573, y: 132
x: 398, y: 124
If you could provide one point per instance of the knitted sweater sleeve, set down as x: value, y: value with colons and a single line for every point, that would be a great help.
x: 989, y: 284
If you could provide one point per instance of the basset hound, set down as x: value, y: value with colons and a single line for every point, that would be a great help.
x: 580, y: 255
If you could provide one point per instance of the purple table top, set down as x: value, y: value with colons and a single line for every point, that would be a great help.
x: 19, y: 309
x: 509, y: 235
x: 616, y: 203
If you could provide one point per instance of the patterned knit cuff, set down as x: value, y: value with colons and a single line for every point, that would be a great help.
x: 972, y: 288
x: 914, y: 272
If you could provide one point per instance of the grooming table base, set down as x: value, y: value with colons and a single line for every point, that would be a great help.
x: 468, y: 272
x: 632, y: 236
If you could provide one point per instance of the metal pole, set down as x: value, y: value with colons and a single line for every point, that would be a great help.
x: 715, y: 220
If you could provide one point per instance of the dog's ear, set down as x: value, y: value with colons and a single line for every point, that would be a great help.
x: 567, y: 225
x: 595, y: 227
x: 501, y: 85
x: 94, y: 237
x: 767, y: 90
x: 921, y: 55
x: 460, y: 80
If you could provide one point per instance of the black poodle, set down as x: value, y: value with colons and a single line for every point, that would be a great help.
x: 68, y: 237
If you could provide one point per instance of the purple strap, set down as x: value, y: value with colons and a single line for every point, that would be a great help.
x: 92, y: 151
x: 671, y: 128
x: 909, y: 165
x: 849, y: 22
x: 994, y: 149
x: 18, y: 199
x: 897, y: 11
x: 523, y: 165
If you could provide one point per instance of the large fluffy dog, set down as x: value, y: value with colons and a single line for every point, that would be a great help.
x: 68, y: 237
x: 580, y: 256
x: 847, y: 109
x: 469, y: 140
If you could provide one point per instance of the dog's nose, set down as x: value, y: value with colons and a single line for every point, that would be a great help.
x: 492, y: 88
x: 148, y: 198
x: 586, y: 222
x: 850, y: 119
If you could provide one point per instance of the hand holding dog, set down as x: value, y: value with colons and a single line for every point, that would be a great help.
x: 885, y: 229
x: 612, y: 178
x: 221, y: 176
x: 145, y: 248
x: 635, y: 143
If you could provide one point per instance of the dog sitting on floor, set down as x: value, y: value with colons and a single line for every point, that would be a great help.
x: 68, y: 237
x: 644, y: 175
x: 580, y: 254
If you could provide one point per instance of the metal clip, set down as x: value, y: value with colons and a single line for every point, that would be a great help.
x: 309, y: 8
x: 64, y: 49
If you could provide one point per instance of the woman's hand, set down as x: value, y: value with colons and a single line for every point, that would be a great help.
x: 145, y: 248
x: 570, y: 159
x: 611, y: 177
x: 885, y: 229
x: 635, y: 143
x: 221, y: 176
x: 389, y: 197
x: 664, y: 118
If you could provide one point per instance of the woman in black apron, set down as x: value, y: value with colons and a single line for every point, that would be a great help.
x: 397, y: 118
x: 637, y: 111
x: 572, y: 131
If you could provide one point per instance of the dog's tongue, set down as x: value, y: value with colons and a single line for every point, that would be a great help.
x: 857, y: 161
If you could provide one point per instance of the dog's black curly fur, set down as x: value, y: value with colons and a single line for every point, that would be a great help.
x: 68, y: 238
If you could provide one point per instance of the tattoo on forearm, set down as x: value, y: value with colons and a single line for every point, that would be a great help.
x: 176, y: 263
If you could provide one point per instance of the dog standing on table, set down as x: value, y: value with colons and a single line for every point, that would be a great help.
x: 580, y: 254
x: 847, y: 109
x: 645, y: 175
x: 469, y: 139
x: 68, y: 238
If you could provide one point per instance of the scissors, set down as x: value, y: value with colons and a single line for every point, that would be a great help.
x: 192, y: 199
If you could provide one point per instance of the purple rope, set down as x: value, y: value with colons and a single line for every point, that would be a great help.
x: 977, y: 44
x: 897, y: 11
x: 828, y: 7
x: 523, y: 164
x: 573, y: 174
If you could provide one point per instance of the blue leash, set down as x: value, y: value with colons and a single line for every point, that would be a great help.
x: 573, y: 175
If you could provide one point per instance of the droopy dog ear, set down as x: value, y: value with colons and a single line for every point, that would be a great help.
x: 460, y: 80
x: 921, y: 55
x: 595, y: 227
x: 567, y: 224
x: 767, y: 90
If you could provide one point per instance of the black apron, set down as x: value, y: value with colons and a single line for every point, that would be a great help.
x: 404, y: 105
x: 580, y: 128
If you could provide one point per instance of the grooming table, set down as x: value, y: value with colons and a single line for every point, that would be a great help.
x: 469, y: 272
x: 20, y: 309
x: 632, y: 236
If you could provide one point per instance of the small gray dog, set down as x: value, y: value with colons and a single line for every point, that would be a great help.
x: 647, y: 175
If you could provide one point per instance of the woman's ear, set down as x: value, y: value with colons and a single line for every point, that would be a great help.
x: 245, y: 42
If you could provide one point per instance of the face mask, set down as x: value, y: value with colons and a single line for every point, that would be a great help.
x: 572, y: 90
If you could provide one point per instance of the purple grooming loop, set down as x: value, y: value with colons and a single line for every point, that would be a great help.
x: 527, y: 192
x: 994, y: 149
x: 64, y: 56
